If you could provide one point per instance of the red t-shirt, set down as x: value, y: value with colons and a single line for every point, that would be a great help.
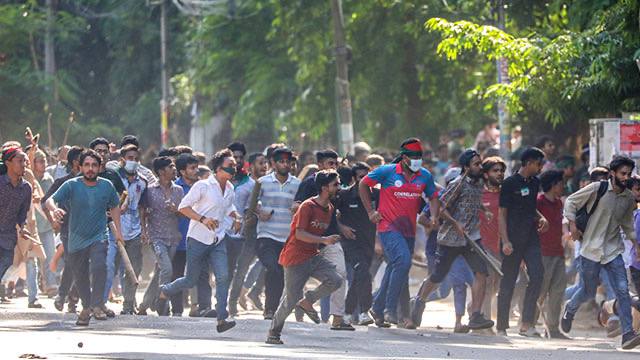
x: 489, y: 231
x: 310, y: 217
x: 551, y: 240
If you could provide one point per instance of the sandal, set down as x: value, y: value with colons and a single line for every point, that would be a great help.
x: 463, y: 329
x: 274, y: 340
x: 312, y: 314
x: 343, y: 326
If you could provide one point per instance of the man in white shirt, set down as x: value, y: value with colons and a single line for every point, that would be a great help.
x: 207, y: 205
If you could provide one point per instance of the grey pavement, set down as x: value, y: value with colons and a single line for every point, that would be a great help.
x: 51, y: 334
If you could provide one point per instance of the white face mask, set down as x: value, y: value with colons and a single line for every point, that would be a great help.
x: 130, y: 167
x: 415, y: 164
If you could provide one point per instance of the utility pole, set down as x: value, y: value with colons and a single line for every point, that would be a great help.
x: 50, y: 69
x: 504, y: 118
x: 164, y: 103
x: 343, y: 97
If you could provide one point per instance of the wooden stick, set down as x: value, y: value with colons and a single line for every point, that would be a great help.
x: 72, y: 118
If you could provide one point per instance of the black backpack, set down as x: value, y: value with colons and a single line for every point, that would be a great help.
x: 583, y: 215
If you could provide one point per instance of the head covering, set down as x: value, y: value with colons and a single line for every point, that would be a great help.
x: 452, y: 174
x: 466, y: 156
x: 411, y: 148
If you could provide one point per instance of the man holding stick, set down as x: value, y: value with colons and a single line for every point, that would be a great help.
x: 463, y: 199
x: 88, y: 198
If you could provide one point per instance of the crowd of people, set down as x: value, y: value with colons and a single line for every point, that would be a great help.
x: 281, y: 232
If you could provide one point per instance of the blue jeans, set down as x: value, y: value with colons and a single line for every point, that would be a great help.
x: 6, y: 260
x: 199, y: 256
x: 112, y: 252
x: 589, y: 279
x: 397, y: 251
x: 604, y: 280
x: 32, y: 279
x: 48, y: 243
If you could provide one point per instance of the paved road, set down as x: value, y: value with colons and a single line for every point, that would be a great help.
x: 53, y: 335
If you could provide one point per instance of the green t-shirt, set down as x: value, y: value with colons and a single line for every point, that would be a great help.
x: 88, y: 206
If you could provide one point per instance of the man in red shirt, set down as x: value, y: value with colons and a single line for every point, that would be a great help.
x: 300, y: 255
x: 549, y: 204
x: 493, y: 173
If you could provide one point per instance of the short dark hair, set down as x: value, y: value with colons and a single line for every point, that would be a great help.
x: 346, y: 174
x: 360, y: 166
x: 599, y: 173
x: 492, y: 161
x: 326, y: 154
x: 281, y: 151
x: 129, y: 139
x: 160, y: 163
x: 129, y: 147
x: 271, y: 148
x: 324, y: 177
x: 90, y: 153
x: 254, y: 156
x: 238, y: 146
x: 543, y: 140
x: 168, y: 152
x: 184, y: 160
x: 531, y: 154
x: 74, y: 154
x: 218, y: 159
x: 98, y: 141
x: 182, y: 149
x: 550, y: 178
x: 620, y: 161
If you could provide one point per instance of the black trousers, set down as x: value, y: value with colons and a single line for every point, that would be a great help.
x: 358, y: 258
x: 531, y: 254
x: 268, y: 251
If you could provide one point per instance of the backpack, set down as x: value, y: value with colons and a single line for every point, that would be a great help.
x: 583, y: 215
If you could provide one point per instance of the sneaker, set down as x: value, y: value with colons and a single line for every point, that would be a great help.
x: 98, y: 314
x: 630, y: 340
x: 274, y: 340
x: 417, y: 309
x: 127, y: 312
x: 35, y: 305
x: 84, y: 318
x: 58, y: 303
x: 379, y: 320
x: 224, y: 325
x: 566, y: 320
x: 365, y: 319
x: 478, y: 321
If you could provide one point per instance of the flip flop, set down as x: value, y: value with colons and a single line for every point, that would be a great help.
x: 312, y: 314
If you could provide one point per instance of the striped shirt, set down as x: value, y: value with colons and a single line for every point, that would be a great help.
x: 279, y: 198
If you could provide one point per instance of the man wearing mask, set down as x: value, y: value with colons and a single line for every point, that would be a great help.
x: 402, y: 186
x: 143, y: 171
x: 207, y: 205
x: 602, y: 246
x: 463, y: 197
x: 136, y: 185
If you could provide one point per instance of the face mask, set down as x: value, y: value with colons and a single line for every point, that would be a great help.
x: 415, y: 164
x: 229, y: 170
x: 130, y: 167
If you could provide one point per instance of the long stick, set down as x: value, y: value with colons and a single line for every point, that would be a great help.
x: 72, y: 118
x: 121, y: 249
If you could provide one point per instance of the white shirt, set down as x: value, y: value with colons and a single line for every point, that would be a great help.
x: 206, y: 198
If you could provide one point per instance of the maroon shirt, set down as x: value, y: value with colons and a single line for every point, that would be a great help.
x: 551, y: 240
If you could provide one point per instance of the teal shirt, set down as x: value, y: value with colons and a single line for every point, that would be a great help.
x: 88, y: 206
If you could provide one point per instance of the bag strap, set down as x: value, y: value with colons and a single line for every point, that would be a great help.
x: 604, y: 185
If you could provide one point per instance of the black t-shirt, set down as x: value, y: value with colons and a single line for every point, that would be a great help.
x: 518, y: 195
x: 114, y: 178
x: 307, y: 189
x: 353, y: 214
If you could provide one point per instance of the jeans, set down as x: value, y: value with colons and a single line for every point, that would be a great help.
x: 530, y: 253
x: 295, y: 277
x: 134, y: 251
x: 66, y: 280
x: 201, y: 258
x: 179, y: 263
x: 163, y: 272
x: 553, y: 285
x: 234, y: 248
x: 6, y: 260
x: 268, y: 251
x: 32, y: 279
x: 589, y: 275
x: 48, y: 243
x: 397, y: 251
x: 604, y: 280
x: 89, y: 272
x: 112, y: 253
x: 245, y: 258
x: 255, y: 276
